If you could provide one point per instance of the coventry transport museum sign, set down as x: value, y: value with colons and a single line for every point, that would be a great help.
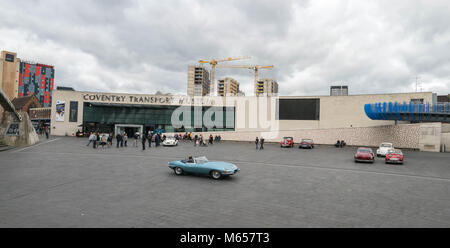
x: 170, y: 100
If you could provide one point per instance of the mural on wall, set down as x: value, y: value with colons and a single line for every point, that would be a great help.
x: 37, y: 79
x: 60, y: 109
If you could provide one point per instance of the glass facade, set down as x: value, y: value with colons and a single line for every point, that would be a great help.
x: 103, y: 117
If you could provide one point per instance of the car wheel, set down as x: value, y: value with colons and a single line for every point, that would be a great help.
x: 216, y: 175
x: 178, y: 171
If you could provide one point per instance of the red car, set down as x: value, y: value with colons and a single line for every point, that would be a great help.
x: 364, y: 154
x: 306, y: 143
x: 287, y: 142
x: 394, y: 156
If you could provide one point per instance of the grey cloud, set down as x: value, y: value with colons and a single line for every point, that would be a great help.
x: 145, y: 46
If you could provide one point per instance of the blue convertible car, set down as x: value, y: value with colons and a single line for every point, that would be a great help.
x: 201, y: 165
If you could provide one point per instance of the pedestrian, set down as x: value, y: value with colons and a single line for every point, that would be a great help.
x: 118, y: 139
x: 121, y: 139
x: 261, y: 141
x: 91, y: 138
x: 46, y: 131
x: 97, y: 140
x: 256, y: 142
x: 94, y: 140
x: 125, y: 139
x: 143, y: 141
x: 109, y: 140
x: 136, y: 138
x: 220, y: 138
x: 103, y: 141
x: 338, y: 143
x: 211, y: 139
x: 150, y: 139
x: 157, y: 140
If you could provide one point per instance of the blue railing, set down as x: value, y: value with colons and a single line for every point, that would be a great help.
x: 408, y: 111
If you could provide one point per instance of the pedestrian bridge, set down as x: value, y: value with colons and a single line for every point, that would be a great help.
x: 408, y: 112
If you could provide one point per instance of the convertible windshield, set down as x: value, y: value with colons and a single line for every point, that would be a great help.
x: 201, y: 160
x: 386, y: 145
x: 364, y: 150
x: 306, y: 140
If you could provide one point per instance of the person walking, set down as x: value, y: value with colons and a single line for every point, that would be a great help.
x: 91, y: 139
x: 261, y: 141
x: 125, y: 139
x: 256, y: 142
x: 46, y: 131
x: 143, y: 141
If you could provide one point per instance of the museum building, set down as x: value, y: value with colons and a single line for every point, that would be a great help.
x: 74, y: 111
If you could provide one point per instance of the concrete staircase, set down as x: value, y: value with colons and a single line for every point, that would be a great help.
x: 4, y: 147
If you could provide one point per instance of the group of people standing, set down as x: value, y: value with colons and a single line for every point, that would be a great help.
x: 122, y: 139
x: 200, y: 141
x: 190, y: 136
x: 44, y: 129
x: 340, y: 143
x: 149, y: 137
x: 259, y: 141
x: 103, y: 140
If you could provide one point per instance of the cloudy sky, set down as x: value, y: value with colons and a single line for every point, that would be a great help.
x: 145, y: 46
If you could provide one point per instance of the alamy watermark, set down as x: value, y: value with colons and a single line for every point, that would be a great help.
x: 259, y: 114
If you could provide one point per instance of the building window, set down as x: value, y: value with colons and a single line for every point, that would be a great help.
x: 9, y: 57
x: 417, y: 101
x: 73, y: 114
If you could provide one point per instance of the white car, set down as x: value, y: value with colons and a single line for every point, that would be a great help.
x: 383, y: 149
x: 170, y: 141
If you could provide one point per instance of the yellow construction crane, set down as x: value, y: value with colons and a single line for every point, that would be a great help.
x: 213, y: 63
x: 255, y: 68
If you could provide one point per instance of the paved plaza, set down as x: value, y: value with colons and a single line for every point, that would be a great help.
x: 63, y: 183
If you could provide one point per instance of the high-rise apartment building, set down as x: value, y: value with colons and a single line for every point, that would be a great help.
x: 20, y: 78
x: 266, y: 87
x: 227, y: 87
x: 198, y: 81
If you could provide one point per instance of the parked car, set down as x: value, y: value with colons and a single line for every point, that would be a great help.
x: 364, y: 154
x: 170, y: 141
x: 287, y: 142
x: 306, y: 143
x: 201, y: 165
x: 394, y: 156
x: 80, y: 134
x: 384, y: 148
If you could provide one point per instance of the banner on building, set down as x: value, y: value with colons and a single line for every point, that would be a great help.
x: 60, y: 109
